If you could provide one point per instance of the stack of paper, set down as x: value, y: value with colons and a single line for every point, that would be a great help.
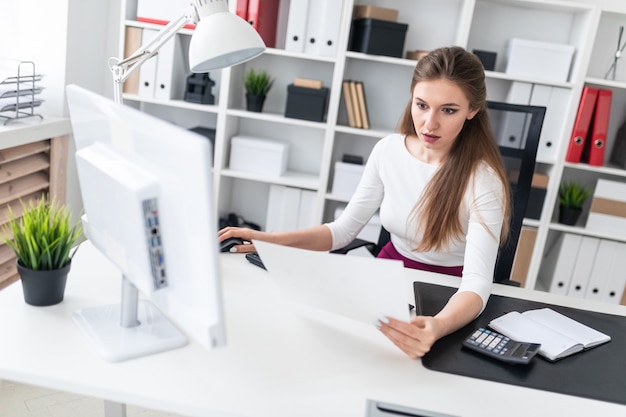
x: 19, y: 85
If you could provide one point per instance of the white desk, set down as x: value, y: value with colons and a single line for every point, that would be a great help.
x: 279, y: 361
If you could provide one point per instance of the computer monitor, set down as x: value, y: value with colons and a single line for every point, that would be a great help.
x: 147, y: 193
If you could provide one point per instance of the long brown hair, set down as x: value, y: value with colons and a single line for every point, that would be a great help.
x: 437, y: 212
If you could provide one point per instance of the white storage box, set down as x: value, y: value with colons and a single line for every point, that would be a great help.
x: 545, y: 60
x: 258, y: 155
x: 346, y: 178
x: 608, y: 208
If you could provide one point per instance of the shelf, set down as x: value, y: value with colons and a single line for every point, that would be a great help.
x: 585, y: 232
x: 275, y: 118
x: 179, y: 104
x: 618, y: 172
x: 290, y: 179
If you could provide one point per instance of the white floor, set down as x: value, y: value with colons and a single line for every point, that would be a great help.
x: 18, y: 400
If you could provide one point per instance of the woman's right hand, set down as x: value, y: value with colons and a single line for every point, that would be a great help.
x: 242, y: 233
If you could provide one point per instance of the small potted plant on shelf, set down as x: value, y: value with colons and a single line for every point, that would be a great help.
x: 257, y: 85
x: 43, y: 238
x: 572, y: 196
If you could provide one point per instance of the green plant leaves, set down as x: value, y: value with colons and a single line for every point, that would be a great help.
x: 257, y: 82
x: 44, y: 236
x: 573, y: 194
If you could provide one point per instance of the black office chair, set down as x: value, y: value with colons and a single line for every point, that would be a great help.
x: 517, y: 129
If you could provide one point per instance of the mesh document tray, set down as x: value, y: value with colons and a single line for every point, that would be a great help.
x: 598, y: 373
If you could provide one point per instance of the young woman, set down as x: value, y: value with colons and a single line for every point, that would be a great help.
x: 441, y: 190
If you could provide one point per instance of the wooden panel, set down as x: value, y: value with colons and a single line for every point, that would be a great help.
x: 8, y: 268
x: 22, y: 167
x: 19, y: 152
x: 23, y: 186
x: 523, y: 255
x: 58, y: 169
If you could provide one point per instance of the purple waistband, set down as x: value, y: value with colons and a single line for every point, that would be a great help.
x: 390, y: 252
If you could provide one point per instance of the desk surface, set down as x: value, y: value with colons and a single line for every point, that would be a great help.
x: 281, y: 360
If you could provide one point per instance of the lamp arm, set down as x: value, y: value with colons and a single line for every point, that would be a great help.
x: 121, y: 69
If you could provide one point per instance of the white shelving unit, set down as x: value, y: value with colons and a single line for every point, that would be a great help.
x: 591, y: 27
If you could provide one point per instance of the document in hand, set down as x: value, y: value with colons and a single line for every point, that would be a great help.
x: 364, y: 289
x: 559, y: 335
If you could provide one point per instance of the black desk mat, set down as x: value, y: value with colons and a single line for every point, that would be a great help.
x: 598, y: 373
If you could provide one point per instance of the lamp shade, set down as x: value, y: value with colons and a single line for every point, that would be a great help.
x: 223, y: 39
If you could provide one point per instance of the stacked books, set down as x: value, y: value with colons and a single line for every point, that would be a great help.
x: 19, y: 87
x: 356, y: 105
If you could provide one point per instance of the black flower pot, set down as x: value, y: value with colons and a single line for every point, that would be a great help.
x: 255, y: 102
x: 43, y: 287
x: 569, y: 215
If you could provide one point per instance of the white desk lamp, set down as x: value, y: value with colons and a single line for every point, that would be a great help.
x: 220, y: 39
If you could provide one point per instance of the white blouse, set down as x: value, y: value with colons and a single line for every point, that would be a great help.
x: 393, y: 181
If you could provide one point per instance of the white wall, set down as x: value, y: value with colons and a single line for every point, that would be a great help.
x: 70, y: 42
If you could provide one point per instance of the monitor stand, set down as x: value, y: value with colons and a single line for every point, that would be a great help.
x: 128, y: 330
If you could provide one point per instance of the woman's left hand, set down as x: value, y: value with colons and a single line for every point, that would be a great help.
x: 414, y: 338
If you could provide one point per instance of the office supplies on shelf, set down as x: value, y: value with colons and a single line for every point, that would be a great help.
x: 593, y: 152
x: 583, y: 265
x: 241, y: 9
x: 19, y: 93
x: 559, y: 263
x: 581, y: 124
x: 608, y: 208
x: 308, y: 83
x: 358, y: 288
x: 132, y: 42
x: 147, y: 72
x: 263, y: 16
x: 347, y: 100
x: 559, y: 335
x: 289, y: 208
x: 607, y: 279
x: 360, y: 94
x: 171, y: 71
x: 161, y: 12
x: 358, y: 120
x: 296, y: 25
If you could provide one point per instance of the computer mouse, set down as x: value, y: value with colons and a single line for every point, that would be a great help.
x: 228, y: 243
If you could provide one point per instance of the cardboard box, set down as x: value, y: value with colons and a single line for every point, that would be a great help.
x: 377, y: 37
x: 374, y: 12
x: 545, y: 60
x: 608, y: 208
x: 346, y: 178
x: 258, y: 155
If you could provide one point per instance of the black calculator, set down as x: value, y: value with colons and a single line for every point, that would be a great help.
x: 500, y: 347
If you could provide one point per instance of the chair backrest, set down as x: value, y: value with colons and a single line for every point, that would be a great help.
x: 517, y: 129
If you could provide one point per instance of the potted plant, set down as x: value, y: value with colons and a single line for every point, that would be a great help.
x: 572, y: 196
x: 257, y: 85
x: 42, y: 239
